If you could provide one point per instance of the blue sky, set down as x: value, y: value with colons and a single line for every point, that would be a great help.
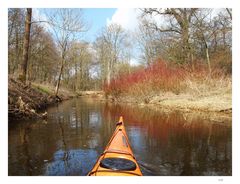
x: 97, y: 17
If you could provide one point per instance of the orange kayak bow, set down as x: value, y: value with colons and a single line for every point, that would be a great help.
x: 117, y: 158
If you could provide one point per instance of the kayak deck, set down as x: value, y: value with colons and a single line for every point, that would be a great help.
x: 117, y: 158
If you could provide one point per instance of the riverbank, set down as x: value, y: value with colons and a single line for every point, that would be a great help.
x: 28, y: 101
x: 172, y: 87
x: 218, y: 102
x: 94, y: 94
x: 216, y: 108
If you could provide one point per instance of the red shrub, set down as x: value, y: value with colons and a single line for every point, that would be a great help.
x: 159, y: 76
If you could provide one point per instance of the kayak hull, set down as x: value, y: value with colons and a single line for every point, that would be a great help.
x: 117, y: 148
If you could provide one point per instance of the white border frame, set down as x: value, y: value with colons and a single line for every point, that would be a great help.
x: 4, y: 4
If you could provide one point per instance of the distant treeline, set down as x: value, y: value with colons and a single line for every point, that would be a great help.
x: 56, y: 53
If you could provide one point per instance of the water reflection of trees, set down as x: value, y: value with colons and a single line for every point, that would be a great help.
x: 28, y: 142
x: 77, y: 131
x: 176, y: 145
x: 81, y: 125
x: 73, y: 128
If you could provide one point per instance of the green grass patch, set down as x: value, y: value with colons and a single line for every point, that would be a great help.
x: 43, y: 89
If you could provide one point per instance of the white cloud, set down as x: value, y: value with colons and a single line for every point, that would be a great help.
x: 125, y: 17
x: 128, y: 19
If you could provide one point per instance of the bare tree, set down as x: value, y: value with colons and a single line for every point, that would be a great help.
x: 179, y: 22
x: 229, y: 12
x: 23, y: 68
x: 79, y: 65
x: 102, y: 57
x: 16, y: 19
x: 43, y: 56
x: 150, y: 42
x: 112, y: 43
x: 66, y: 25
x: 204, y: 31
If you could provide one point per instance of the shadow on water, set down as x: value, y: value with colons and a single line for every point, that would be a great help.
x: 76, y: 132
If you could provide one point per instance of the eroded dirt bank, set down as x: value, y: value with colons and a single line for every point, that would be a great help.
x: 26, y: 101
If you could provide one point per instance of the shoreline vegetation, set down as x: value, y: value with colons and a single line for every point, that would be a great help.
x: 27, y: 101
x: 173, y: 88
x: 30, y: 101
x: 176, y: 59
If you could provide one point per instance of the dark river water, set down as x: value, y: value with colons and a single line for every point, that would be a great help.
x: 76, y: 132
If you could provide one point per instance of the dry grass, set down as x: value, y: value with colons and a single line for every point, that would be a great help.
x: 174, y: 87
x: 206, y: 86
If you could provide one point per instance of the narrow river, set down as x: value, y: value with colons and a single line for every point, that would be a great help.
x: 76, y: 132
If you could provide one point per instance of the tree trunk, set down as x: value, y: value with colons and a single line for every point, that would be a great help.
x: 17, y: 52
x: 229, y: 13
x: 59, y: 77
x: 108, y: 73
x: 76, y: 76
x: 192, y: 61
x: 224, y: 38
x: 215, y: 41
x: 23, y: 67
x: 186, y: 45
x: 208, y: 61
